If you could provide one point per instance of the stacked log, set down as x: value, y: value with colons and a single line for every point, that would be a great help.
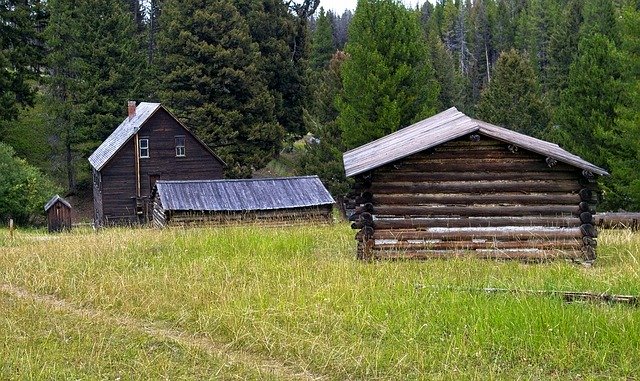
x: 475, y: 196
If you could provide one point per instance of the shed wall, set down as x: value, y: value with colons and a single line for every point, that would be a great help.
x: 58, y: 217
x: 483, y: 198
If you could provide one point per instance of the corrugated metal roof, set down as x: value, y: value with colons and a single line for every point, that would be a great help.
x: 243, y: 195
x: 441, y: 128
x: 122, y: 134
x: 55, y: 199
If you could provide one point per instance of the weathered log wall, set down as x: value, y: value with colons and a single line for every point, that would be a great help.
x: 483, y: 197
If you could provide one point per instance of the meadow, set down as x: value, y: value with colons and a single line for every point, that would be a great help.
x: 294, y: 303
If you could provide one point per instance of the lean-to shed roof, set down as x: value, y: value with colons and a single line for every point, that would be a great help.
x: 126, y: 130
x: 441, y: 128
x: 55, y: 199
x: 243, y: 195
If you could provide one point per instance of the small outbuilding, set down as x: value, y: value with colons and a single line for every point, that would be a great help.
x: 273, y: 201
x: 58, y: 214
x: 452, y: 185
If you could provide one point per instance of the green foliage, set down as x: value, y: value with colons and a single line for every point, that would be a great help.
x: 626, y: 160
x: 23, y: 189
x: 282, y: 62
x: 322, y: 46
x: 388, y: 80
x: 96, y: 66
x: 210, y: 75
x: 322, y: 156
x: 513, y: 98
x: 21, y: 52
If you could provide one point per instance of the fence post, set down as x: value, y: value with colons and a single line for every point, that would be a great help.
x: 11, y: 228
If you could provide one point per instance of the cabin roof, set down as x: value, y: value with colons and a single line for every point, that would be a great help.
x: 53, y: 201
x: 441, y: 128
x: 243, y: 195
x: 126, y: 130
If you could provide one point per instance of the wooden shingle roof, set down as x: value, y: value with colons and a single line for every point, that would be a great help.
x: 441, y: 128
x: 243, y: 195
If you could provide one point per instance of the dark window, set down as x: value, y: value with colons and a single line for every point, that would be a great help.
x: 180, y: 150
x: 144, y: 147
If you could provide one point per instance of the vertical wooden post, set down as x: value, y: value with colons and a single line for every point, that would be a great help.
x: 11, y: 228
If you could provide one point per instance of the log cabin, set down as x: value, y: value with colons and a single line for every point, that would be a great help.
x: 451, y: 185
x: 149, y: 145
x: 274, y: 201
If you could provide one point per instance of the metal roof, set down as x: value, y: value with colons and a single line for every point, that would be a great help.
x: 122, y: 134
x: 243, y: 195
x: 55, y: 199
x: 441, y: 128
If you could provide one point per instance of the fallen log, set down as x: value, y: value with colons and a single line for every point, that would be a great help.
x: 567, y: 296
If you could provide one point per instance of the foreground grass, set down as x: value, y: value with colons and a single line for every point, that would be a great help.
x: 297, y: 295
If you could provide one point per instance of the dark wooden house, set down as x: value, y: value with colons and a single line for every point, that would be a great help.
x: 272, y: 201
x: 149, y: 145
x: 58, y: 212
x: 452, y: 185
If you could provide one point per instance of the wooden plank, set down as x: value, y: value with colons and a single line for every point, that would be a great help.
x: 476, y: 211
x: 489, y: 245
x: 500, y: 234
x: 404, y: 223
x: 518, y: 255
x: 463, y: 199
x: 474, y: 186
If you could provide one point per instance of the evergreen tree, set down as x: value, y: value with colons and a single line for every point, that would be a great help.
x: 322, y: 42
x: 586, y: 116
x: 96, y: 65
x: 388, y: 81
x: 625, y: 184
x: 210, y: 76
x: 451, y: 82
x: 273, y: 28
x: 513, y: 99
x: 323, y: 155
x: 563, y: 48
x: 21, y: 53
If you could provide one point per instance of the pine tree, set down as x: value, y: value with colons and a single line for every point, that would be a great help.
x: 586, y: 113
x: 96, y: 66
x: 21, y: 53
x: 513, y: 99
x: 322, y: 42
x: 563, y: 48
x: 210, y: 75
x: 625, y: 184
x: 388, y: 81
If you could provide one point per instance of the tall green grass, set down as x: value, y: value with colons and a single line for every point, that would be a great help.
x: 298, y: 295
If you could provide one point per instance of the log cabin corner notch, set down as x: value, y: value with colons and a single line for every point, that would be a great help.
x: 149, y: 145
x: 452, y: 185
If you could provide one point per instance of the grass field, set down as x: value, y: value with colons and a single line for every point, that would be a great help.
x: 293, y: 303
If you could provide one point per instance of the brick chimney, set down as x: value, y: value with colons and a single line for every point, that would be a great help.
x: 132, y: 109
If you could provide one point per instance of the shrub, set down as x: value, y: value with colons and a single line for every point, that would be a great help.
x: 23, y: 188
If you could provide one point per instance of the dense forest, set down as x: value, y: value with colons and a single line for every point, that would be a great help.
x: 253, y: 77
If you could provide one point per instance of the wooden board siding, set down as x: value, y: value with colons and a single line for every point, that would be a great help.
x: 59, y: 217
x: 119, y: 178
x: 480, y: 198
x: 277, y: 217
